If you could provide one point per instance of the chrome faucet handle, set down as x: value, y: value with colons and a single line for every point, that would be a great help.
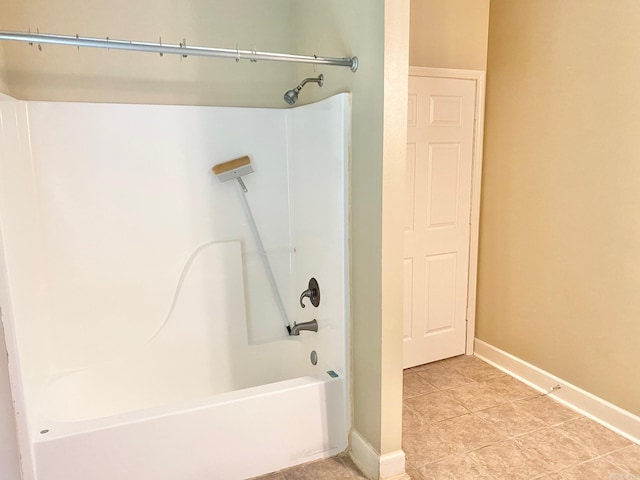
x: 313, y: 293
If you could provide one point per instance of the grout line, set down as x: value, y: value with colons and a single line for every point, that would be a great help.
x: 591, y: 460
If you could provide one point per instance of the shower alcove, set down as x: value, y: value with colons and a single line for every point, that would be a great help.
x: 143, y: 338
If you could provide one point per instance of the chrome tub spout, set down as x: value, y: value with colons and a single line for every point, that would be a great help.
x: 312, y: 326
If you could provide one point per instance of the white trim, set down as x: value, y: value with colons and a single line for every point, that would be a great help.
x: 583, y: 402
x: 373, y: 465
x: 364, y: 456
x: 445, y: 73
x: 392, y: 466
x: 476, y: 181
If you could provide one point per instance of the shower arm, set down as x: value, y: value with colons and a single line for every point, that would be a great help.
x: 182, y: 49
x: 319, y: 81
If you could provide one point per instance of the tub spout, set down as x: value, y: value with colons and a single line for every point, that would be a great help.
x: 312, y: 326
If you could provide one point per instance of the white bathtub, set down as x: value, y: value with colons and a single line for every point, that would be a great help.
x: 229, y: 436
x: 197, y: 401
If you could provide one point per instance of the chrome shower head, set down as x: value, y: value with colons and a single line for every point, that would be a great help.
x: 291, y: 96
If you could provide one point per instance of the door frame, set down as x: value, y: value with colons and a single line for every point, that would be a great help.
x: 479, y: 77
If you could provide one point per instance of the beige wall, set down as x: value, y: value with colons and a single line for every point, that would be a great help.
x: 560, y: 232
x: 449, y: 33
x: 65, y: 73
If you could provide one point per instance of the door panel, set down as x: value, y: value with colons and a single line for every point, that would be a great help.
x: 442, y: 188
x: 440, y: 281
x: 438, y: 204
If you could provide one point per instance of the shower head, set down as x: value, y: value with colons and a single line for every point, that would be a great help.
x: 291, y: 96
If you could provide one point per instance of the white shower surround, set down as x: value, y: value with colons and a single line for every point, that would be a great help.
x: 101, y: 206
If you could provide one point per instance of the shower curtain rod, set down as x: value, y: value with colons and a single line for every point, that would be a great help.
x: 181, y: 49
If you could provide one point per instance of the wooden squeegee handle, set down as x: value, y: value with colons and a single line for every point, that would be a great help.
x: 231, y: 165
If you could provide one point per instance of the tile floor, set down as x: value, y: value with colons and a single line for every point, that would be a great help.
x: 336, y: 468
x: 464, y: 419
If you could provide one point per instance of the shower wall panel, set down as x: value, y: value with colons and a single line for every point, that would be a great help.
x: 23, y: 292
x: 318, y: 143
x: 127, y: 194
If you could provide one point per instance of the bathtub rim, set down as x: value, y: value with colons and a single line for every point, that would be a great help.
x: 57, y: 429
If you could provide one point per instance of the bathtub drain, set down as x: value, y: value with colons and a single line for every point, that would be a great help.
x: 314, y: 357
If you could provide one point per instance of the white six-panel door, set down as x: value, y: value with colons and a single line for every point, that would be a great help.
x: 439, y: 165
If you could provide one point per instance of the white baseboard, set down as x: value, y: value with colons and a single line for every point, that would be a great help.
x: 373, y: 465
x: 587, y: 404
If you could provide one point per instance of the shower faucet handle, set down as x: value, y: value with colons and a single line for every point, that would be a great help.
x: 313, y: 293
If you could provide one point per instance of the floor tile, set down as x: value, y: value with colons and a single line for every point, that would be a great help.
x: 558, y: 450
x: 413, y: 472
x: 477, y: 370
x: 410, y: 418
x: 437, y: 406
x: 593, y: 469
x: 329, y: 469
x: 511, y: 419
x: 413, y: 384
x: 454, y: 468
x: 505, y: 460
x: 272, y: 476
x: 425, y: 444
x: 297, y: 473
x: 477, y: 396
x: 443, y: 377
x: 468, y: 432
x: 548, y: 410
x: 598, y: 439
x: 512, y: 389
x: 355, y: 472
x: 628, y: 459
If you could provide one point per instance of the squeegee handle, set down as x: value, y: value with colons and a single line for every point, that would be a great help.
x: 263, y: 255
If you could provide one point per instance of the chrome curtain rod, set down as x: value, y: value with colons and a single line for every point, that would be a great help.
x: 181, y: 49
